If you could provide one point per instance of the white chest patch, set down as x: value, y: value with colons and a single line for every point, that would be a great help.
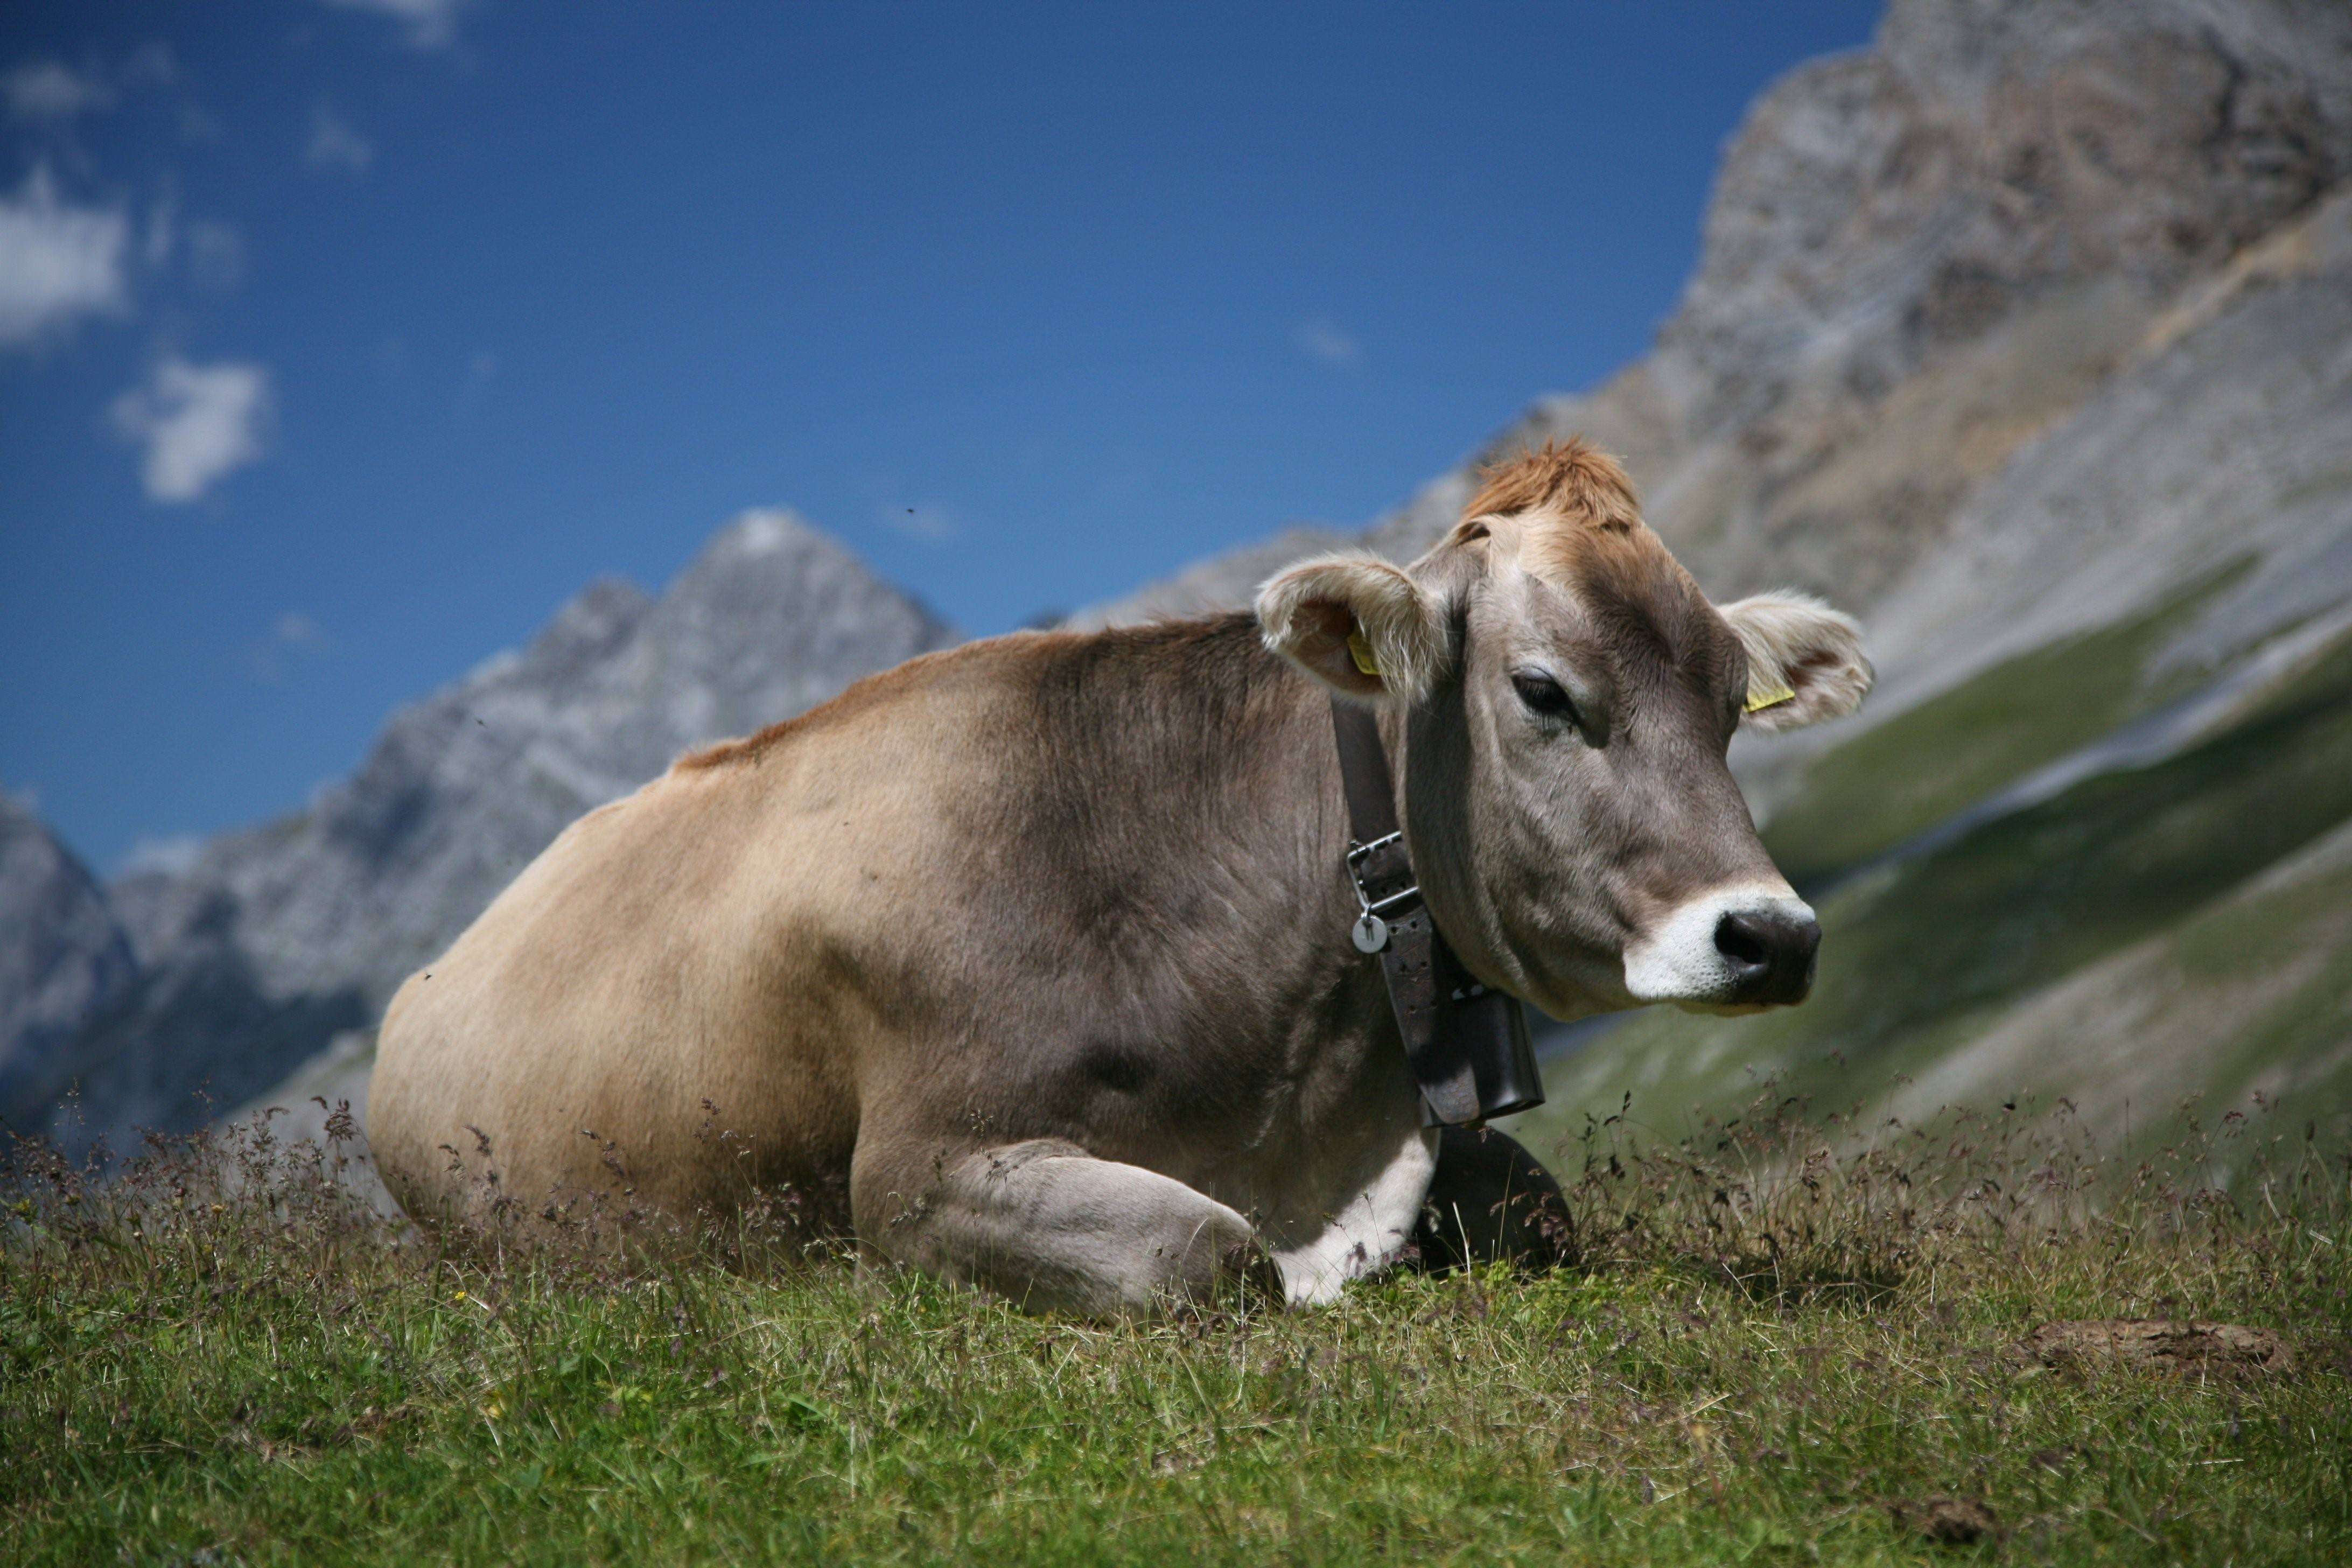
x: 1367, y: 1230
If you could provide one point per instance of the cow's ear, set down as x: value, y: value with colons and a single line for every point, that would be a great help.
x: 1805, y: 661
x: 1356, y: 624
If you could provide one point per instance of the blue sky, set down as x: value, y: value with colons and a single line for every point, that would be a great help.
x: 341, y: 341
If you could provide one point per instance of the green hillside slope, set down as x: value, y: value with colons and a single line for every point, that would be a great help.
x: 2147, y: 935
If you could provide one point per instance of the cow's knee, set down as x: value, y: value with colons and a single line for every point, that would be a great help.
x: 1051, y: 1228
x: 1491, y: 1201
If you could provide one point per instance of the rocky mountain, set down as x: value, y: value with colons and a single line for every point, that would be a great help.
x: 273, y: 941
x: 1923, y: 256
x: 63, y: 957
x: 2025, y: 332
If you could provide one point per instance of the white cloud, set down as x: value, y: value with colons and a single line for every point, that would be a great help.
x: 931, y: 523
x: 430, y: 23
x: 293, y: 636
x: 334, y: 145
x: 215, y: 254
x: 480, y: 372
x: 150, y: 64
x: 53, y: 95
x: 1328, y: 344
x: 57, y: 262
x: 162, y: 231
x: 216, y: 250
x: 174, y: 857
x: 48, y: 90
x: 197, y: 422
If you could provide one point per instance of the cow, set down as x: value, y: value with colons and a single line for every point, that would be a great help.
x: 1028, y: 964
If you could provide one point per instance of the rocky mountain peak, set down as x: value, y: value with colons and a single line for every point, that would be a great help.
x: 588, y: 627
x: 762, y: 530
x: 1877, y: 209
x: 63, y: 958
x: 266, y: 943
x: 1918, y: 256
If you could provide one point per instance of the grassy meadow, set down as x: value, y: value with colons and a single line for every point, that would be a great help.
x: 1783, y: 1339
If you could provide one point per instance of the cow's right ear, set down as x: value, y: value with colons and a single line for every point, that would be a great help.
x: 1805, y: 661
x: 1356, y: 623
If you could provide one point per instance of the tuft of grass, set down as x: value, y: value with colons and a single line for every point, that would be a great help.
x: 1787, y: 1338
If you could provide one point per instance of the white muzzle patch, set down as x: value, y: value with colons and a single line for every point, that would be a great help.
x: 1679, y: 960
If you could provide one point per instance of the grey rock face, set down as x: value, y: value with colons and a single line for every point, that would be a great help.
x: 63, y: 959
x: 277, y: 938
x: 1923, y: 256
x: 1878, y: 209
x: 1217, y: 583
x: 2227, y: 439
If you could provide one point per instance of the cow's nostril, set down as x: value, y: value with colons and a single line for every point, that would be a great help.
x: 1739, y: 939
x: 1770, y: 954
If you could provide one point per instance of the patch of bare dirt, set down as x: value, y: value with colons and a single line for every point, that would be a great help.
x: 1946, y: 1520
x: 2159, y: 1343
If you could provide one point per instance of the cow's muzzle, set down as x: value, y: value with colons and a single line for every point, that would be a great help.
x: 1769, y: 952
x: 1735, y: 949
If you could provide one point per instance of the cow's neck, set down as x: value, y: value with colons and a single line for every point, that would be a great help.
x: 1228, y: 752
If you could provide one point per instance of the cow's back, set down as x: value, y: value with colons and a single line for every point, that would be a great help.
x: 664, y: 1005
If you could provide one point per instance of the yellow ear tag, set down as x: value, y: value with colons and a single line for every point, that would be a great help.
x: 1770, y: 696
x: 1361, y: 652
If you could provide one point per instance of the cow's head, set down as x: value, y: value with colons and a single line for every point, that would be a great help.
x: 1568, y: 697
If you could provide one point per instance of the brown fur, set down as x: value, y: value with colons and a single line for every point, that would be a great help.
x: 860, y: 696
x: 1027, y: 961
x: 1573, y: 480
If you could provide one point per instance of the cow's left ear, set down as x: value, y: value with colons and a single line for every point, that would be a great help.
x: 1356, y: 623
x: 1805, y: 661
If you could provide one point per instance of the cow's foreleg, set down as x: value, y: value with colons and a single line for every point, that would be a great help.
x: 1053, y: 1228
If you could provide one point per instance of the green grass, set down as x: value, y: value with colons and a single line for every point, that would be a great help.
x: 1777, y: 1338
x: 1928, y: 762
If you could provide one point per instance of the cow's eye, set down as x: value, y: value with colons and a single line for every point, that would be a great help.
x: 1543, y: 695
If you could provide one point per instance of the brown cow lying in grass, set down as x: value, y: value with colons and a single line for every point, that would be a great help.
x: 1028, y: 962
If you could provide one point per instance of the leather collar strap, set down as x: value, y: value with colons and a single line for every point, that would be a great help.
x: 1428, y: 987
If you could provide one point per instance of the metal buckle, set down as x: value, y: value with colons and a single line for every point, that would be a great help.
x: 1365, y: 903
